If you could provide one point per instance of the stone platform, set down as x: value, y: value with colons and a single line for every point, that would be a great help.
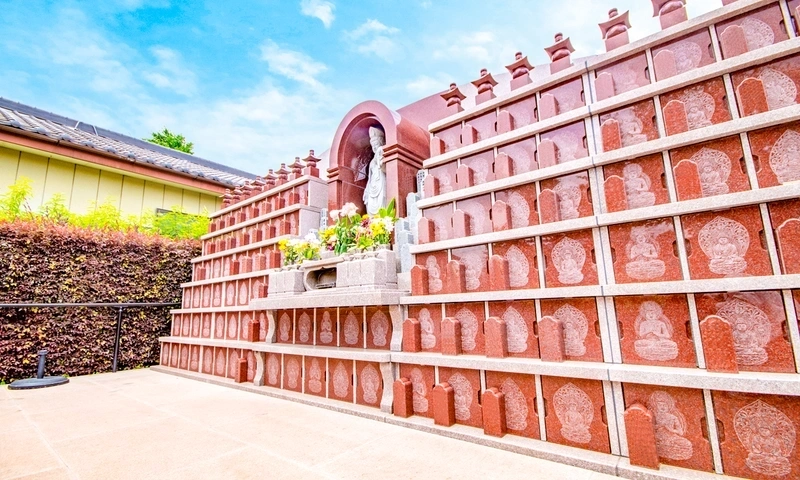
x: 139, y: 424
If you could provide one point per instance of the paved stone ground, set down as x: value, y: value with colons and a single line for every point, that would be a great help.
x: 141, y: 424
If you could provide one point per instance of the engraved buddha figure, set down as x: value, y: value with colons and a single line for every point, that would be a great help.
x: 670, y: 427
x: 637, y: 186
x: 699, y: 107
x: 574, y: 410
x: 725, y: 241
x: 326, y: 328
x: 420, y: 394
x: 380, y: 327
x: 434, y: 274
x: 474, y: 263
x: 285, y: 325
x: 576, y: 327
x: 769, y: 437
x: 426, y: 327
x: 445, y: 183
x: 341, y: 381
x: 654, y: 334
x: 315, y: 377
x: 751, y: 330
x: 370, y: 383
x: 784, y: 159
x: 293, y: 373
x: 351, y: 329
x: 569, y: 269
x: 462, y: 390
x: 643, y: 254
x: 630, y: 127
x: 469, y: 329
x: 711, y: 181
x: 725, y: 253
x: 304, y: 327
x: 569, y: 200
x: 273, y: 368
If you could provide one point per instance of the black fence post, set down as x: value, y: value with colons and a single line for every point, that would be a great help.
x: 116, y: 340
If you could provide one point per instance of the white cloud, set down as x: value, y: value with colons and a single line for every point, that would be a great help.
x: 321, y: 9
x: 375, y: 38
x: 291, y: 64
x: 425, y: 85
x: 170, y: 73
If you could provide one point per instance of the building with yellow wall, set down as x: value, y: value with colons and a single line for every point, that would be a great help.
x: 89, y: 165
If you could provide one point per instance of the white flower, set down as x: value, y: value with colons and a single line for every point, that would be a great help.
x: 310, y: 237
x: 334, y: 215
x: 388, y: 224
x: 349, y: 210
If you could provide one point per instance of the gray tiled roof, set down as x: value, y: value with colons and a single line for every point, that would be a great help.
x: 30, y: 119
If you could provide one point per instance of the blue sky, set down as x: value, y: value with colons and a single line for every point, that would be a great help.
x: 256, y: 83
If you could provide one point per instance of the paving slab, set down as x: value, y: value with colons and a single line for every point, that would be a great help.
x: 142, y: 424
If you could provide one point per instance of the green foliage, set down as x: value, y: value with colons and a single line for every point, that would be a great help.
x: 14, y: 203
x: 178, y: 224
x: 106, y: 216
x: 59, y: 263
x: 171, y: 140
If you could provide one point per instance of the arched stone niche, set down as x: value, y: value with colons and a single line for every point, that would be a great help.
x: 406, y: 147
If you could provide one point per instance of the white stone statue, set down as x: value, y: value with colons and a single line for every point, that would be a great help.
x: 375, y: 191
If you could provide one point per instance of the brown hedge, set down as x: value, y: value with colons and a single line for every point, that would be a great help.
x: 42, y: 263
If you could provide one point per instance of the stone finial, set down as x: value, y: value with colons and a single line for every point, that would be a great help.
x: 519, y: 70
x: 283, y: 174
x: 669, y: 12
x: 296, y: 169
x: 311, y: 164
x: 615, y: 29
x: 485, y: 83
x: 559, y: 53
x: 453, y: 97
x: 227, y: 198
x: 270, y: 179
x: 259, y: 183
x: 311, y: 160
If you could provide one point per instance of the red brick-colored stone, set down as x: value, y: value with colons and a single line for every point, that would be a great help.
x: 419, y: 280
x: 451, y: 336
x: 718, y: 347
x: 505, y: 122
x: 503, y: 166
x: 498, y: 273
x: 501, y: 216
x: 758, y: 322
x: 732, y: 41
x: 496, y: 337
x: 758, y: 434
x: 241, y: 371
x: 469, y: 135
x: 551, y: 339
x: 675, y: 120
x: 641, y: 433
x: 680, y: 420
x: 455, y: 281
x: 403, y: 394
x: 494, y: 412
x: 444, y: 412
x: 612, y: 139
x: 462, y: 224
x: 426, y: 228
x: 587, y: 428
x: 465, y: 177
x: 412, y: 336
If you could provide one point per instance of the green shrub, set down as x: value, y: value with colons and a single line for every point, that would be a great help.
x: 175, y: 224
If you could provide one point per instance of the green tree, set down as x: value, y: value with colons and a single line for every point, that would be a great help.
x: 171, y: 140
